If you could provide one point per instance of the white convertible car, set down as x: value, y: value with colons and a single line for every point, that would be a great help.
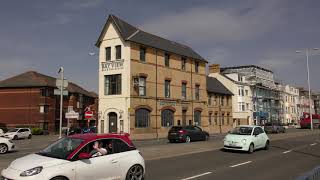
x: 246, y: 138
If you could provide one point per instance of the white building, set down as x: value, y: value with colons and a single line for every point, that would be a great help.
x: 289, y: 103
x: 242, y: 98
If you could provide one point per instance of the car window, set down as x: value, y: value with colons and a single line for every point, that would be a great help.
x: 105, y: 143
x: 190, y: 128
x: 197, y: 128
x: 260, y: 130
x: 20, y: 130
x: 120, y: 146
x: 256, y: 131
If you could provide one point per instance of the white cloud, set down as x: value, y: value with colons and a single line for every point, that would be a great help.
x: 207, y: 24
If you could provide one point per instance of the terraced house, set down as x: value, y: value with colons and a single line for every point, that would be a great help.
x: 148, y: 84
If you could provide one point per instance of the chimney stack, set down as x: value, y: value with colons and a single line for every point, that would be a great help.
x: 214, y: 68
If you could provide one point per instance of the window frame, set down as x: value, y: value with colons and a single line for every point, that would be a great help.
x: 183, y: 63
x: 184, y: 91
x: 108, y: 56
x: 114, y: 80
x: 118, y: 51
x: 197, y: 92
x: 142, y: 86
x: 145, y: 117
x: 197, y: 117
x: 167, y: 88
x: 166, y: 59
x: 165, y: 120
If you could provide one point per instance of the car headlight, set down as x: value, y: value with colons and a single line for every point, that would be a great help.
x: 32, y: 171
x: 244, y: 141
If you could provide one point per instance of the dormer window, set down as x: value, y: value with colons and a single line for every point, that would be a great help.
x: 118, y: 52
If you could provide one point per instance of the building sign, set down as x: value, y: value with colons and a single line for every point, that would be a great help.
x: 168, y: 103
x: 112, y: 65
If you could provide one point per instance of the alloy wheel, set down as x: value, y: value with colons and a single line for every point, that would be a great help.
x: 135, y: 173
x: 3, y: 148
x: 188, y: 139
x: 251, y: 148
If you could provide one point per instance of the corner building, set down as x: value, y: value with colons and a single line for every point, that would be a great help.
x: 148, y: 84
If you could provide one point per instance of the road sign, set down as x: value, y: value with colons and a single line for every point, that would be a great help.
x: 58, y: 92
x: 88, y: 114
x: 72, y: 115
x: 59, y: 82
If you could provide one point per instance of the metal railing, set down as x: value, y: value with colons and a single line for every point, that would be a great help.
x: 314, y: 174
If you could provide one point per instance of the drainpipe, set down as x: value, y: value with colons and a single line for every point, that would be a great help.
x: 157, y: 134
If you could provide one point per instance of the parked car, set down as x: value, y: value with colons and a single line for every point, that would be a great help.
x: 246, y: 138
x: 274, y: 127
x: 70, y: 158
x: 6, y: 145
x: 187, y: 134
x: 1, y: 132
x: 18, y: 133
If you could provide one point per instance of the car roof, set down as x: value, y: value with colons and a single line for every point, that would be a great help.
x: 253, y: 126
x: 93, y: 136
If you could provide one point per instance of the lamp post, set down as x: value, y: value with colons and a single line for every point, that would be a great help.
x: 308, y: 71
x: 61, y: 100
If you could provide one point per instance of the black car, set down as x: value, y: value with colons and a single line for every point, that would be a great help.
x: 187, y: 134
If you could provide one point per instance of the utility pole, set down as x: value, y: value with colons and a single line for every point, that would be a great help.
x: 61, y: 100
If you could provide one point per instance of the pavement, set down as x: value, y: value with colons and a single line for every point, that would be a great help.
x: 180, y: 160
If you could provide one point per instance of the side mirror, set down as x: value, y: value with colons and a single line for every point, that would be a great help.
x: 84, y: 156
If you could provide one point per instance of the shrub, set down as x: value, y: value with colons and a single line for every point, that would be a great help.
x: 36, y: 131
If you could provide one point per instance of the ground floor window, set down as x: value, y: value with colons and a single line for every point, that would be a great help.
x: 142, y: 118
x: 197, y: 118
x: 167, y: 118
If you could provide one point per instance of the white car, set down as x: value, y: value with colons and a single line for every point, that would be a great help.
x: 18, y: 133
x: 6, y: 145
x: 246, y: 138
x: 1, y: 132
x: 74, y: 157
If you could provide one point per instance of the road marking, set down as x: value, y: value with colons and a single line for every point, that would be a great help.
x: 241, y: 164
x: 199, y: 175
x: 313, y: 144
x: 286, y: 152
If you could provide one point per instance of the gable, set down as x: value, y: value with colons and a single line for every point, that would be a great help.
x: 111, y: 32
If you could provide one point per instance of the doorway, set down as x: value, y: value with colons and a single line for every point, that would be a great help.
x: 113, y: 120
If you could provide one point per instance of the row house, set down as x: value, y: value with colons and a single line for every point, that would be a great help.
x: 148, y: 84
x: 289, y: 103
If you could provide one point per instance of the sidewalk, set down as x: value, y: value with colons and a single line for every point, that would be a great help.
x: 168, y: 150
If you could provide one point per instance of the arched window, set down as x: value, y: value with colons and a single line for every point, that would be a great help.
x: 197, y: 118
x: 167, y: 118
x: 142, y: 118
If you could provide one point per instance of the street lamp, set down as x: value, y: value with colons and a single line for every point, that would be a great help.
x: 61, y: 100
x: 307, y: 55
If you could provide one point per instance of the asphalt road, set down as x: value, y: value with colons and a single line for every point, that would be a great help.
x: 286, y: 159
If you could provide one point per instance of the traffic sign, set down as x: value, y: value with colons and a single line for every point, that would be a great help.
x: 59, y: 82
x: 72, y: 115
x: 58, y: 92
x: 88, y: 114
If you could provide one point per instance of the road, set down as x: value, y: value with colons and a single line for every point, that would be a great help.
x: 205, y: 160
x: 286, y: 159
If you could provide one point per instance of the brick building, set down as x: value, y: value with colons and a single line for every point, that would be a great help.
x: 28, y: 100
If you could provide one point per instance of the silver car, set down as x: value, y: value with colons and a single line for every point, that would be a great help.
x: 274, y: 127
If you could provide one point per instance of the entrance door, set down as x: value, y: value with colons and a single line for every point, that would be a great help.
x: 113, y: 127
x: 184, y: 117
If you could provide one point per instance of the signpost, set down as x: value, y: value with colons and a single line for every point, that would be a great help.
x: 88, y: 114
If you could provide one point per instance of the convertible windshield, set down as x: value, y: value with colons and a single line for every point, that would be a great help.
x: 62, y: 148
x: 13, y: 130
x: 242, y: 131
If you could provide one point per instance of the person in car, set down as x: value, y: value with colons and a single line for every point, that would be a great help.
x: 109, y: 148
x: 98, y: 150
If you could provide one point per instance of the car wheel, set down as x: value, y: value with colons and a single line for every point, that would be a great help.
x: 266, y: 147
x: 251, y: 148
x: 30, y: 136
x: 15, y: 137
x: 3, y: 148
x: 188, y: 140
x: 135, y: 172
x: 59, y: 178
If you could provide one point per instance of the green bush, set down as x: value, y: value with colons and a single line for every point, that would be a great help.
x: 36, y: 131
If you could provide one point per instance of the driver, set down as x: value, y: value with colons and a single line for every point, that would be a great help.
x: 98, y: 150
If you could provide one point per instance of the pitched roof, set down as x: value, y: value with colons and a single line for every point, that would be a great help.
x: 133, y: 34
x: 35, y: 79
x: 246, y: 66
x: 215, y: 86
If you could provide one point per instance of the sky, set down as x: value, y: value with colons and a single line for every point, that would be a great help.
x: 42, y: 35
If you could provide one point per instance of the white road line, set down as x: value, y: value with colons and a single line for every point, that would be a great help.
x: 313, y: 144
x: 193, y: 177
x: 286, y: 152
x: 241, y: 164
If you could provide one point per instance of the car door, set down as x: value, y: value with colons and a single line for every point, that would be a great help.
x: 191, y: 132
x: 100, y: 167
x: 25, y: 133
x: 20, y: 133
x: 199, y: 133
x: 256, y: 138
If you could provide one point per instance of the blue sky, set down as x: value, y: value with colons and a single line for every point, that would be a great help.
x: 42, y: 35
